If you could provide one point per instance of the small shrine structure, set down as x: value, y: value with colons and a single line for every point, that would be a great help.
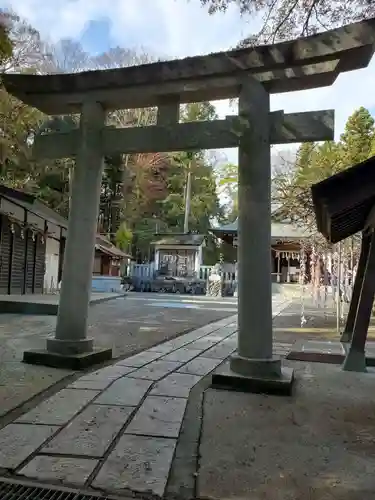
x: 249, y: 74
x: 179, y: 255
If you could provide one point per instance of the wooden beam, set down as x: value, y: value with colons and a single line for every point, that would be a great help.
x: 217, y: 134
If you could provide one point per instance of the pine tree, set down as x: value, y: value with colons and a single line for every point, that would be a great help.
x: 372, y: 152
x: 317, y: 162
x: 304, y: 160
x: 357, y: 140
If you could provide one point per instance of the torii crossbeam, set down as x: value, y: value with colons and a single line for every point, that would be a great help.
x: 251, y: 75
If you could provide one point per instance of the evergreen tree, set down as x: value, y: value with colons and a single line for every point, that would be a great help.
x: 357, y: 139
x: 304, y: 159
x: 6, y: 45
x: 228, y: 188
x: 317, y: 162
x: 372, y: 152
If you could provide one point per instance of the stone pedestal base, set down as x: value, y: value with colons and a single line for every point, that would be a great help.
x: 248, y: 367
x: 256, y: 376
x: 345, y: 337
x: 355, y: 361
x: 67, y: 361
x: 70, y: 347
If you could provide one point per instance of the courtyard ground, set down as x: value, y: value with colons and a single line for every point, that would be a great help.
x: 317, y: 445
x: 127, y: 324
x: 150, y: 426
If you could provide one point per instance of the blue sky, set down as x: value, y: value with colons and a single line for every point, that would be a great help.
x: 96, y: 36
x: 179, y: 28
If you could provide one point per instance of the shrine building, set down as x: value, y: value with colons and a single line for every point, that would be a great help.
x: 287, y: 244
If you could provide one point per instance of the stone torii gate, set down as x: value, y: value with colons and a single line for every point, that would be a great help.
x: 250, y: 74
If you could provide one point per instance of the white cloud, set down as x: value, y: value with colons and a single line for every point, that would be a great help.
x: 181, y: 27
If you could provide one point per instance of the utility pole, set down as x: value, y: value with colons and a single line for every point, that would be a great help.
x: 187, y: 200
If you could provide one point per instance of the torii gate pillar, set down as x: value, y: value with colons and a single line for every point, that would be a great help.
x: 253, y: 368
x: 71, y: 348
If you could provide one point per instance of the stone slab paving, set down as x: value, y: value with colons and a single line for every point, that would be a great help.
x: 67, y: 470
x: 18, y: 441
x: 118, y: 426
x: 60, y: 408
x: 127, y: 324
x: 137, y: 463
x: 140, y: 359
x: 107, y: 373
x: 200, y: 366
x: 220, y: 351
x: 176, y: 385
x: 182, y: 355
x: 125, y: 392
x: 156, y: 370
x: 96, y: 385
x: 158, y: 416
x: 91, y: 432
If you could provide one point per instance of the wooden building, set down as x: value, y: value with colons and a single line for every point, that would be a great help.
x: 286, y: 243
x: 32, y: 243
x: 109, y: 259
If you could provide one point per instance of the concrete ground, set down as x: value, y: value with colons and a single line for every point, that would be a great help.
x: 321, y: 322
x: 127, y: 324
x: 150, y: 426
x: 117, y: 429
x: 317, y: 445
x: 53, y: 298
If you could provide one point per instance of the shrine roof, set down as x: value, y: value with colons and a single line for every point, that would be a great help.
x: 343, y: 202
x: 301, y: 64
x: 279, y: 231
x: 33, y: 205
x: 105, y: 246
x: 171, y: 240
x: 287, y: 231
x: 232, y: 227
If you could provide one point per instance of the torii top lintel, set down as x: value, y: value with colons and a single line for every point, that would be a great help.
x: 301, y: 64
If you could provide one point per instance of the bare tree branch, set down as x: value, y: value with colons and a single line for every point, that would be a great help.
x: 287, y: 19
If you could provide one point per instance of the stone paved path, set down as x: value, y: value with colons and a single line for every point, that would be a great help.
x: 116, y: 429
x: 128, y: 325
